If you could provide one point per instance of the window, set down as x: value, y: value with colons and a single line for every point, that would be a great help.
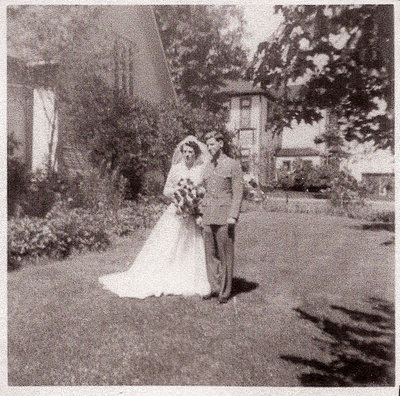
x: 307, y: 163
x: 227, y: 107
x: 286, y: 165
x: 123, y: 67
x: 245, y: 166
x: 245, y: 113
x: 245, y: 159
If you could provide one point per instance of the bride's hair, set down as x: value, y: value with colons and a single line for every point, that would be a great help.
x: 194, y: 146
x: 200, y: 151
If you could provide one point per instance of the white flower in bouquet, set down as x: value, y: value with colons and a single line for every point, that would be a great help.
x: 187, y: 198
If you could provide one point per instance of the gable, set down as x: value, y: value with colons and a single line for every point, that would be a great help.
x: 137, y: 25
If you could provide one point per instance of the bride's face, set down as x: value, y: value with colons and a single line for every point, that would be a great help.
x: 188, y: 154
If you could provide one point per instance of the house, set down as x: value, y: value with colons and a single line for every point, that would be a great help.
x: 124, y: 50
x: 286, y: 157
x: 265, y: 149
x: 249, y: 111
x: 31, y: 115
x: 373, y: 167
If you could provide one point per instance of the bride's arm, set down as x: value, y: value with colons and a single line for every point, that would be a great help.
x: 172, y: 182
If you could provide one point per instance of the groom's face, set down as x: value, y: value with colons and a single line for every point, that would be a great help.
x: 214, y: 146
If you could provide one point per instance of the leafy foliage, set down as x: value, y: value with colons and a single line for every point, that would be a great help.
x: 203, y: 47
x: 123, y: 135
x: 41, y: 193
x: 342, y: 189
x: 345, y: 191
x: 49, y: 33
x: 17, y: 176
x: 64, y: 230
x: 341, y: 58
x: 305, y: 177
x: 56, y: 236
x: 131, y: 136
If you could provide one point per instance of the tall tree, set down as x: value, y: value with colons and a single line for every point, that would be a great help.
x: 48, y: 33
x: 203, y: 47
x: 342, y: 58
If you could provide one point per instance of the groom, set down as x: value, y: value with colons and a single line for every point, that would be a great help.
x: 220, y: 208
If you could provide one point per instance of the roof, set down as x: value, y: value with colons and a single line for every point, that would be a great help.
x: 298, y: 152
x: 247, y: 87
x: 31, y: 74
x: 137, y: 24
x: 241, y: 87
x: 378, y: 174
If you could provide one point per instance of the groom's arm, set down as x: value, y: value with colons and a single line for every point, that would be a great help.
x: 237, y: 190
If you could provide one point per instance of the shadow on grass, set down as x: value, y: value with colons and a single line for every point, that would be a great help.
x: 361, y: 350
x: 388, y: 242
x: 376, y: 227
x: 241, y: 285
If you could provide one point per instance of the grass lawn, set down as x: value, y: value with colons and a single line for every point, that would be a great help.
x: 312, y: 305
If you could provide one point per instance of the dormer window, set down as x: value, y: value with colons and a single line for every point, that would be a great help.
x: 245, y: 113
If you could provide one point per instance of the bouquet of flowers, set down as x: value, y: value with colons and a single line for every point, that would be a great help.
x: 187, y: 198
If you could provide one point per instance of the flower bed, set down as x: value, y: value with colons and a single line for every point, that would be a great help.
x: 63, y: 230
x: 56, y: 236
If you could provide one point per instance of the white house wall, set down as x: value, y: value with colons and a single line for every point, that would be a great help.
x: 234, y: 115
x: 256, y: 114
x: 45, y: 128
x: 314, y: 159
x: 263, y: 121
x: 234, y: 119
x: 365, y: 160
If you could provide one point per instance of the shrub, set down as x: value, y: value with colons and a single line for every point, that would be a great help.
x: 56, y: 236
x: 153, y: 183
x: 345, y: 191
x: 251, y: 189
x: 64, y: 230
x: 305, y: 177
x: 95, y: 190
x: 142, y: 213
x: 384, y: 216
x: 17, y: 177
x: 134, y: 136
x: 41, y: 193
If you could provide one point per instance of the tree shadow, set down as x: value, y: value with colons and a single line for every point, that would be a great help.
x: 388, y: 242
x: 360, y: 348
x: 375, y: 227
x: 241, y: 285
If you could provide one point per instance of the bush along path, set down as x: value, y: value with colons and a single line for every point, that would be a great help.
x: 308, y: 303
x: 64, y: 231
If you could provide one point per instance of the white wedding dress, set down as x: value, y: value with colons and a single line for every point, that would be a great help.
x: 172, y: 260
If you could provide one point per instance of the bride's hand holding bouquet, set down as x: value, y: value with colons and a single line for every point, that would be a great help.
x: 187, y: 198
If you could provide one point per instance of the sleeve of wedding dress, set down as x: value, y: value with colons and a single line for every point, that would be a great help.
x: 172, y: 182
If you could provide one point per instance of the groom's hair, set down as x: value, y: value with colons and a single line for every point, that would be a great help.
x: 194, y: 146
x: 214, y: 134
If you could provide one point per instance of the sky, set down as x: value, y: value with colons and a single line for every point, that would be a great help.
x: 261, y: 23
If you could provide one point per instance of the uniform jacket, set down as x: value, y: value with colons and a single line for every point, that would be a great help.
x: 224, y: 191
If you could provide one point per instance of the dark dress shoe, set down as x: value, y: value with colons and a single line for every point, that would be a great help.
x: 222, y: 300
x: 209, y: 296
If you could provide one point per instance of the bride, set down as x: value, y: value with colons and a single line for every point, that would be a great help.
x: 172, y: 260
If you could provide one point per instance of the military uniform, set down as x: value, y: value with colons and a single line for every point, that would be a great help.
x: 224, y: 193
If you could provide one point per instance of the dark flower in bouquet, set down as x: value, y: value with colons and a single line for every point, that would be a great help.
x: 187, y: 198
